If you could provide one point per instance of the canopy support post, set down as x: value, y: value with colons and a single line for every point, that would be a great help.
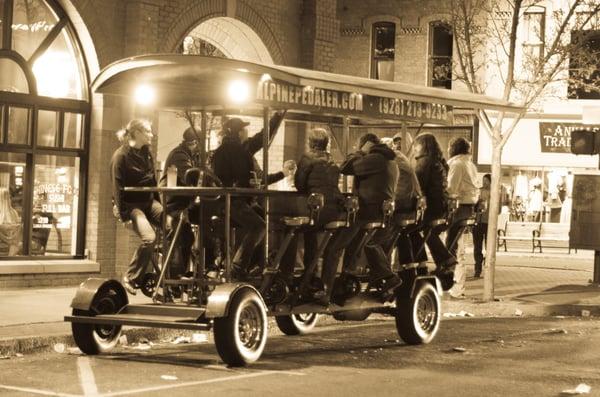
x: 345, y: 144
x: 265, y: 177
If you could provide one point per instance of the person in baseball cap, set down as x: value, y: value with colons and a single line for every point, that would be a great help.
x: 234, y: 125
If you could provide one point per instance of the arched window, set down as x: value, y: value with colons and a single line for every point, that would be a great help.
x: 383, y: 48
x: 44, y: 116
x: 440, y: 55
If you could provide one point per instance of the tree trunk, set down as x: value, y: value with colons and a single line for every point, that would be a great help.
x: 490, y: 248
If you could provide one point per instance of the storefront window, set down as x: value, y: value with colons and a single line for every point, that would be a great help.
x: 538, y: 195
x: 32, y: 20
x: 55, y: 202
x: 12, y: 78
x: 50, y: 212
x: 47, y: 128
x: 18, y: 125
x: 12, y: 171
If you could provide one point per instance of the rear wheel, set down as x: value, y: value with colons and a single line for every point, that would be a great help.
x: 240, y: 337
x: 297, y: 324
x: 418, y: 318
x: 96, y: 338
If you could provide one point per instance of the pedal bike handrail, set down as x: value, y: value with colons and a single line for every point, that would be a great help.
x: 212, y: 191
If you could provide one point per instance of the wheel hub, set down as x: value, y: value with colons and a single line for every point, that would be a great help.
x: 250, y: 327
x: 426, y: 313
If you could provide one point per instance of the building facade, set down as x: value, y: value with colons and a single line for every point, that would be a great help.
x: 57, y: 137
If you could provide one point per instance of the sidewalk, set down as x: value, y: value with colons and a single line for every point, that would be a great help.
x: 32, y: 319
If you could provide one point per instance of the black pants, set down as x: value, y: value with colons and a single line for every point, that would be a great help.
x: 252, y: 226
x: 349, y: 239
x: 479, y: 237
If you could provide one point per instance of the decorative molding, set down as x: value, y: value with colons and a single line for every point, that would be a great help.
x: 410, y: 30
x: 353, y: 31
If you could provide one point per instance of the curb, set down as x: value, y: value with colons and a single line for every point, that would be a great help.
x: 10, y: 346
x: 518, y: 308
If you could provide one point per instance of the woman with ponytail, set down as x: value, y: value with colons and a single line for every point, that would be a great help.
x: 132, y: 165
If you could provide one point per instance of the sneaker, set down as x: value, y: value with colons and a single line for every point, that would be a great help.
x: 390, y: 283
x: 128, y: 285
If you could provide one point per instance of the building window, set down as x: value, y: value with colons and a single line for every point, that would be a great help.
x: 584, y: 65
x: 440, y: 55
x: 383, y: 50
x: 44, y: 113
x: 534, y: 36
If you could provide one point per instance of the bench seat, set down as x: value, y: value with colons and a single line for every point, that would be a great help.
x: 552, y: 232
x: 518, y: 231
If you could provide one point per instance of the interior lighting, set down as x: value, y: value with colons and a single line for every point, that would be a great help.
x: 265, y: 77
x: 144, y: 94
x: 238, y: 91
x: 53, y: 72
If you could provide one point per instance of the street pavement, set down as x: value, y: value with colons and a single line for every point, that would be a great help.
x: 470, y: 357
x: 553, y: 283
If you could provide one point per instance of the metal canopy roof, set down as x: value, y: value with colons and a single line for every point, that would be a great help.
x: 196, y: 82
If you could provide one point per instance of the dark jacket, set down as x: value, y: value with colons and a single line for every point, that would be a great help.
x: 433, y: 179
x: 317, y: 173
x: 233, y: 161
x: 375, y: 176
x: 130, y: 167
x: 182, y: 158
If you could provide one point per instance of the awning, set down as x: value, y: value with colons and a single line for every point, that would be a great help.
x: 199, y: 82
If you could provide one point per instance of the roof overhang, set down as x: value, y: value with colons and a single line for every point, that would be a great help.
x: 199, y: 82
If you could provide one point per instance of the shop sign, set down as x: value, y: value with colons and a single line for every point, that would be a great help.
x: 53, y: 205
x: 321, y: 100
x: 556, y: 137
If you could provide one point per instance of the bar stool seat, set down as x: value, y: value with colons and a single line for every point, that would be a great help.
x: 437, y: 222
x: 372, y: 225
x: 296, y: 220
x: 335, y: 225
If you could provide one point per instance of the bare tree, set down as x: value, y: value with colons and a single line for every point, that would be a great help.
x: 490, y: 56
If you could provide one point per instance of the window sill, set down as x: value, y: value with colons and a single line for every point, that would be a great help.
x: 49, y: 266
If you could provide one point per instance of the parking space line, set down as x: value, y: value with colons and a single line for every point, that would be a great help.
x: 37, y: 391
x: 86, y: 377
x: 200, y: 382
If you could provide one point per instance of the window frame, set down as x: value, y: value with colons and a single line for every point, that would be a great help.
x: 431, y: 56
x: 34, y: 103
x: 541, y: 44
x: 373, y: 58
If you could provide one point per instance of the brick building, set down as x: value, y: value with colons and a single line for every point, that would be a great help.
x: 56, y: 145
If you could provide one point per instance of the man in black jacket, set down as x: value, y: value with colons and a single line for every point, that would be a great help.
x: 375, y: 176
x: 233, y: 162
x: 184, y: 157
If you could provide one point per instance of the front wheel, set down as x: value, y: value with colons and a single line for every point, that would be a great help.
x: 418, y: 318
x: 96, y: 338
x: 297, y: 324
x: 240, y: 337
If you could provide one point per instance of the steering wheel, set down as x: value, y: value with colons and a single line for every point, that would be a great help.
x: 204, y: 177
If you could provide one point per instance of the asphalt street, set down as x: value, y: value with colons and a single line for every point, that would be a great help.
x: 469, y: 357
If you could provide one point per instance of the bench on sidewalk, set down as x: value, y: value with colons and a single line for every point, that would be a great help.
x: 518, y: 231
x: 552, y: 232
